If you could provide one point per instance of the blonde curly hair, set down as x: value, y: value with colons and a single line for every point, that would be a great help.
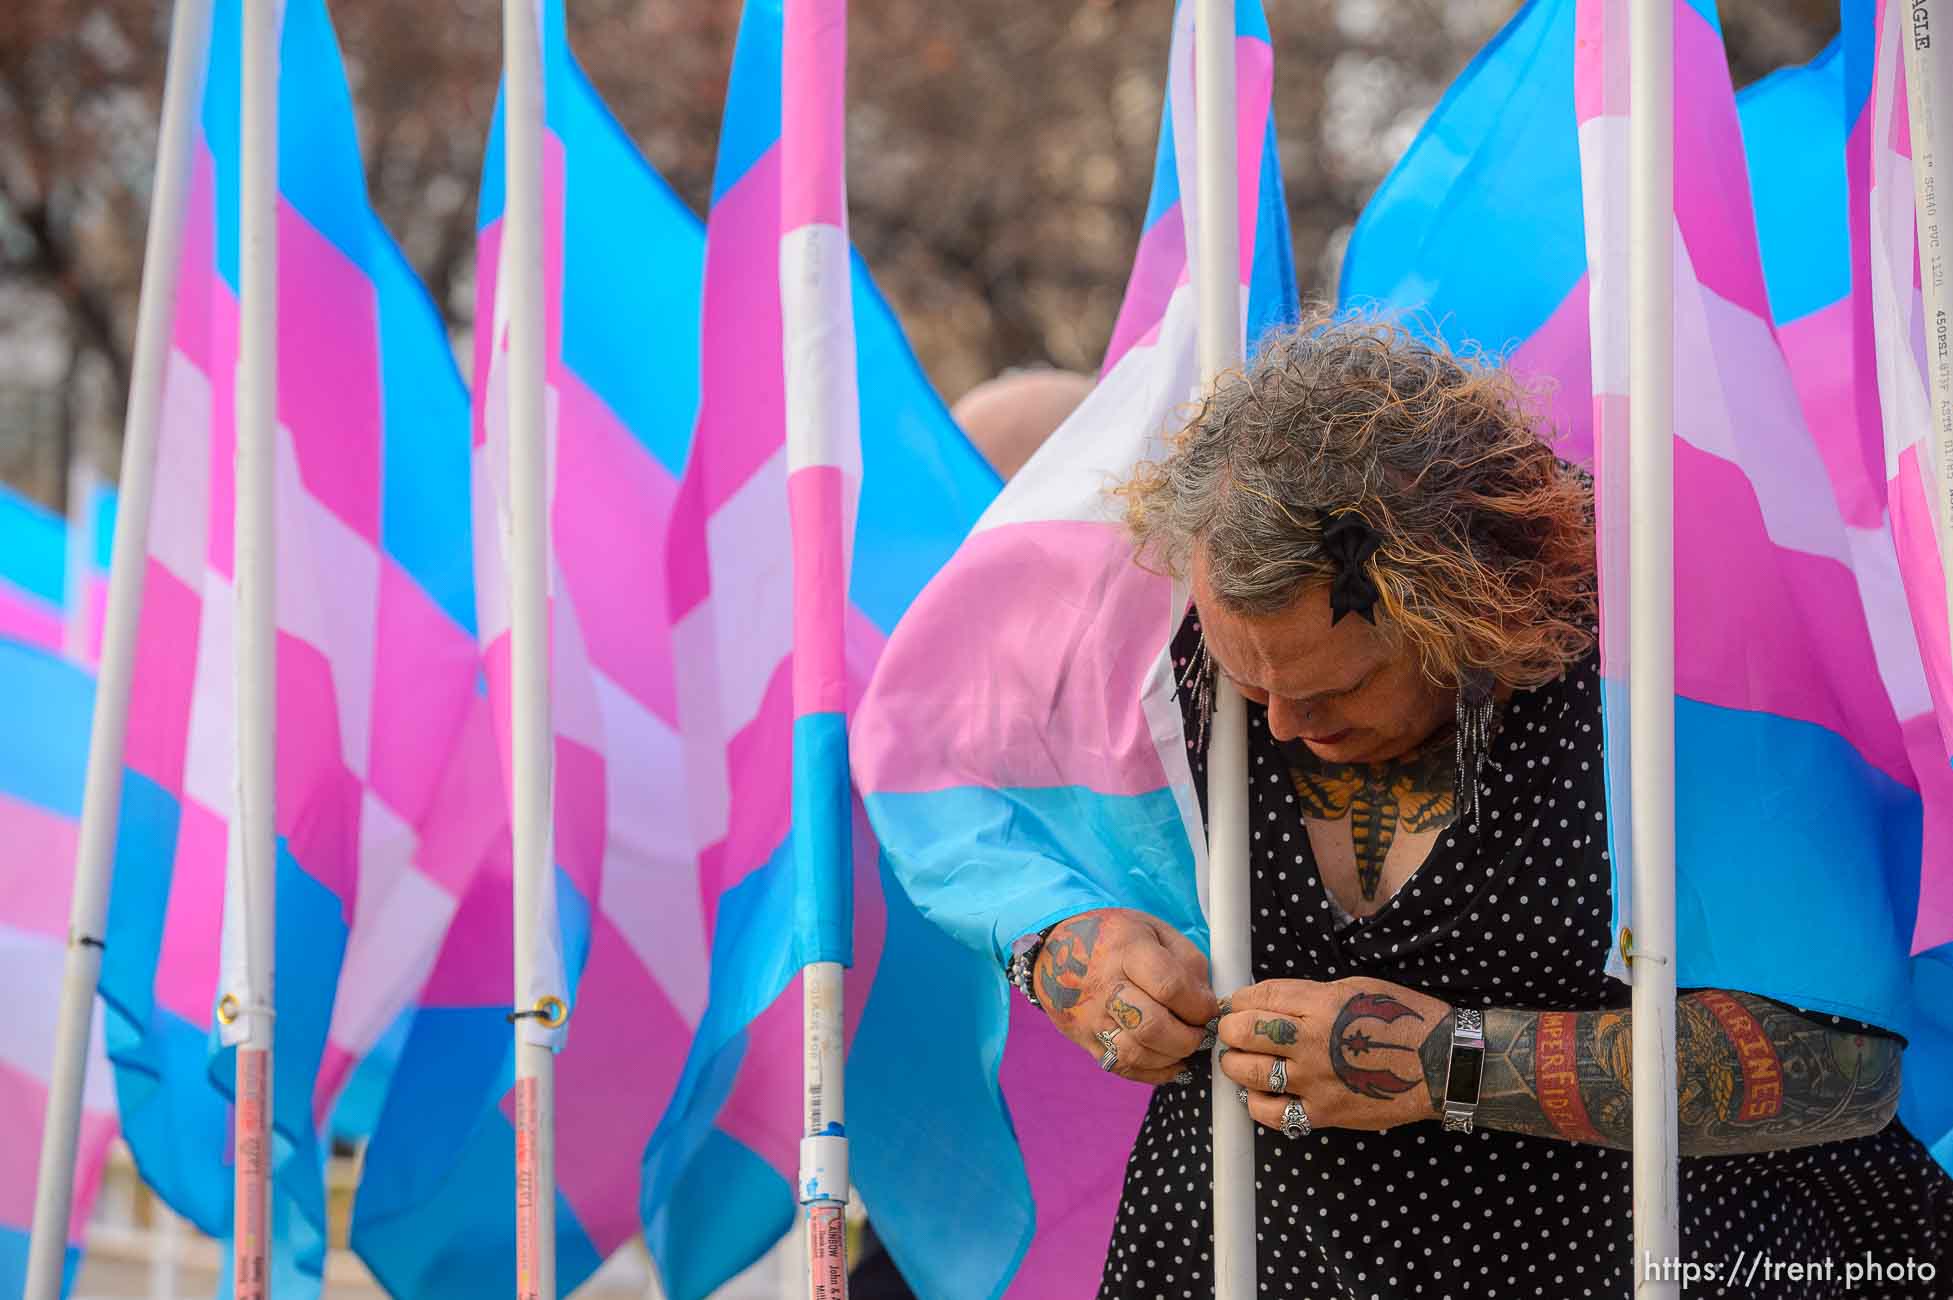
x: 1487, y: 556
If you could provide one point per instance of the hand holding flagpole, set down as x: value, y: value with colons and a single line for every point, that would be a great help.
x: 1217, y: 278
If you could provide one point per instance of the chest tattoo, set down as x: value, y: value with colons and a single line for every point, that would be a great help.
x: 1415, y: 793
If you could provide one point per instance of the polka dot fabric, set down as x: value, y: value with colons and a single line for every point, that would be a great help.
x: 1513, y: 912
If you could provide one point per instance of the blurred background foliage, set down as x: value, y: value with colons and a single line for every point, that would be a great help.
x: 999, y: 154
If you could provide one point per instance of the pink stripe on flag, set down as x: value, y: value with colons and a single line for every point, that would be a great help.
x: 1934, y: 925
x: 1561, y: 350
x: 465, y: 828
x: 329, y: 372
x: 1254, y: 86
x: 1600, y: 83
x: 23, y: 1103
x: 36, y: 888
x: 742, y: 392
x: 1712, y: 191
x: 160, y: 685
x: 186, y: 965
x: 318, y: 798
x: 222, y: 372
x: 820, y: 597
x: 1156, y: 268
x: 488, y: 269
x: 1835, y: 395
x: 1060, y: 714
x: 1915, y: 531
x: 197, y: 270
x: 1075, y: 1125
x: 422, y: 691
x: 813, y: 151
x: 607, y: 482
x: 476, y: 964
x: 759, y: 772
x: 621, y: 1065
x: 26, y: 617
x: 581, y: 816
x: 1767, y: 629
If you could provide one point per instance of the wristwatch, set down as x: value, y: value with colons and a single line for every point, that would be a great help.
x: 1023, y: 962
x: 1467, y: 1064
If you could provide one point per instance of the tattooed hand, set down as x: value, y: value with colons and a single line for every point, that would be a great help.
x: 1353, y: 1050
x: 1124, y: 970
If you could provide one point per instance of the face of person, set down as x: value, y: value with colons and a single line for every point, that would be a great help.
x: 1344, y: 691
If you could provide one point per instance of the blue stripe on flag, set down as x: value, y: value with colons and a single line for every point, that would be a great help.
x: 33, y: 546
x: 903, y: 1160
x: 728, y: 1207
x: 1469, y: 195
x: 1794, y: 138
x: 754, y: 127
x: 904, y: 535
x: 1808, y: 906
x: 823, y: 839
x: 458, y: 1241
x: 13, y: 1263
x: 102, y: 519
x: 1080, y: 850
x: 319, y: 169
x: 44, y: 759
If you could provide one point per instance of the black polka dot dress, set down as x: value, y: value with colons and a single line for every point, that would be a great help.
x: 1512, y: 912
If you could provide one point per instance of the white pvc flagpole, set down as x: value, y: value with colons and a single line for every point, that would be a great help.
x: 102, y: 796
x: 1651, y: 669
x: 1217, y: 280
x: 254, y: 829
x: 1928, y: 83
x: 530, y: 735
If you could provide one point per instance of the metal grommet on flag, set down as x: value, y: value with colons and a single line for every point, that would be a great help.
x: 231, y: 1009
x: 550, y: 1012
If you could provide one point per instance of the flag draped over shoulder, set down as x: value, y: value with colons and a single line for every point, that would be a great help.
x: 376, y: 664
x: 1809, y: 815
x: 1022, y: 756
x: 622, y: 259
x: 47, y: 705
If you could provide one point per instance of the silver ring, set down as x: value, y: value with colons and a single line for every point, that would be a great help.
x: 1278, y: 1075
x: 1241, y: 1093
x: 1295, y: 1120
x: 1109, y: 1059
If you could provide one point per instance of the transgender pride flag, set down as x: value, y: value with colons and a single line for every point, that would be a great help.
x: 47, y: 705
x: 622, y: 261
x: 1022, y: 758
x: 54, y: 576
x: 376, y: 664
x: 1799, y: 679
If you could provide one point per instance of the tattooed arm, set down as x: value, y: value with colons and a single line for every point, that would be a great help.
x: 1752, y: 1075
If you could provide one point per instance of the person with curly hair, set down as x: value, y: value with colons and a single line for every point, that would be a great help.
x: 1389, y: 561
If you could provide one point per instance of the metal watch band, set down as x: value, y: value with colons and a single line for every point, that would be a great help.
x: 1467, y: 1061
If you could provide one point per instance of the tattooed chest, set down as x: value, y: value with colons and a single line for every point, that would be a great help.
x: 1369, y: 823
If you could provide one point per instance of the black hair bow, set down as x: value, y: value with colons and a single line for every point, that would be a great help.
x: 1348, y: 542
